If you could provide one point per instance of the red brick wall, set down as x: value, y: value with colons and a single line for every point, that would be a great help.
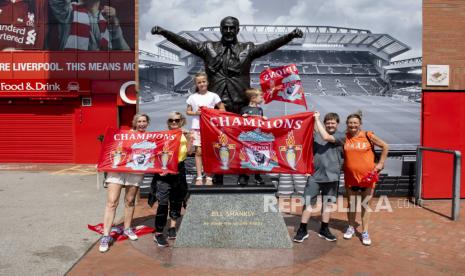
x: 443, y: 108
x: 444, y: 39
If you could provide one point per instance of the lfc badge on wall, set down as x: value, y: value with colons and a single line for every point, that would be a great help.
x: 437, y: 75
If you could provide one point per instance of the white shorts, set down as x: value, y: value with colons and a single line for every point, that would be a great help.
x: 195, y: 135
x: 129, y: 179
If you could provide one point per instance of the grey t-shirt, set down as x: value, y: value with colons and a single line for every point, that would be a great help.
x: 327, y: 158
x: 252, y: 110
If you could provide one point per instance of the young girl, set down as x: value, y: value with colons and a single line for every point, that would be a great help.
x: 202, y: 98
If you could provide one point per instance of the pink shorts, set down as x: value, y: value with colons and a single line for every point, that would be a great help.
x: 195, y: 136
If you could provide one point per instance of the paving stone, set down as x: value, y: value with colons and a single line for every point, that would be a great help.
x: 396, y: 242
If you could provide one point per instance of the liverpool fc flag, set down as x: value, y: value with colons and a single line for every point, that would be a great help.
x: 282, y: 84
x: 232, y: 144
x: 146, y: 152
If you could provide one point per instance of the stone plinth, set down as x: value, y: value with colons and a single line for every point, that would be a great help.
x: 233, y: 220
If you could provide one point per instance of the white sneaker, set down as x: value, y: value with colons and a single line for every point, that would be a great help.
x: 366, y: 238
x: 130, y: 234
x: 350, y: 232
x: 105, y: 242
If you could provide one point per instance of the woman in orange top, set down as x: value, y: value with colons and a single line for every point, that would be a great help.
x: 359, y: 161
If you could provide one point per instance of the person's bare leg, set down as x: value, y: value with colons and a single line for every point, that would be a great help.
x: 198, y: 165
x: 326, y: 212
x: 367, y: 195
x: 209, y: 179
x: 113, y: 193
x: 129, y: 200
x: 352, y: 206
x: 172, y: 223
x: 307, y: 214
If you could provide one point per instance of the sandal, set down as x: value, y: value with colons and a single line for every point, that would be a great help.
x: 199, y: 180
x: 209, y: 181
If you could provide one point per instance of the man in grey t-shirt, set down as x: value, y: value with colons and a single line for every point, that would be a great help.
x: 327, y: 160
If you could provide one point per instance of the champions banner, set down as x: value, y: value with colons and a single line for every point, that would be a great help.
x: 282, y: 84
x: 128, y: 151
x: 232, y: 144
x: 117, y: 231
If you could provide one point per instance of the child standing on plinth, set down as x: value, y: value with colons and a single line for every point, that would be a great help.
x: 202, y: 98
x: 255, y: 97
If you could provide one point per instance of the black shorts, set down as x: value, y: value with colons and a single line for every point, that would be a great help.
x: 358, y: 189
x: 327, y: 189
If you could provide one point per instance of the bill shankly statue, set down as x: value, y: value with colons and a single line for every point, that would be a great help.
x: 227, y: 62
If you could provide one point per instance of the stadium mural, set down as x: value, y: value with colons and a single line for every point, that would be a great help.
x: 354, y: 55
x: 66, y: 66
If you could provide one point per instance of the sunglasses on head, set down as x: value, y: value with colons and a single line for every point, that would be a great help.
x: 174, y: 120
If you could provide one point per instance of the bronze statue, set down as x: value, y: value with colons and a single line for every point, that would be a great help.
x: 227, y: 62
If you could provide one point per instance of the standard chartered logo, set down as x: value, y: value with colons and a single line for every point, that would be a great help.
x: 31, y: 37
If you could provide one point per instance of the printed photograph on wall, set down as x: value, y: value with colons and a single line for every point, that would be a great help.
x: 353, y: 55
x: 64, y: 24
x: 66, y: 74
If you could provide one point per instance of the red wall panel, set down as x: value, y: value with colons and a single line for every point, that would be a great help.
x: 90, y: 123
x: 443, y: 126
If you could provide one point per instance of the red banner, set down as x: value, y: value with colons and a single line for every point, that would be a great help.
x: 128, y: 151
x: 282, y: 84
x: 233, y: 144
x: 117, y: 231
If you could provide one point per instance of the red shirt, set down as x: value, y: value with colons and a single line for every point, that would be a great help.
x: 22, y: 24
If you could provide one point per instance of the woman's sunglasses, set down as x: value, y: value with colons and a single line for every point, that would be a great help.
x: 174, y: 120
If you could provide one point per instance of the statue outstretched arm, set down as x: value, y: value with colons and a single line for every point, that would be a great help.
x: 183, y: 43
x: 272, y: 45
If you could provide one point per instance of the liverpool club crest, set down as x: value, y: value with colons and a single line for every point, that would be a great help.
x: 257, y: 152
x: 291, y: 88
x: 224, y: 151
x: 291, y: 152
x: 142, y: 156
x: 118, y: 155
x: 165, y: 156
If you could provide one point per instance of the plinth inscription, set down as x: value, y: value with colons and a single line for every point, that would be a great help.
x: 231, y: 221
